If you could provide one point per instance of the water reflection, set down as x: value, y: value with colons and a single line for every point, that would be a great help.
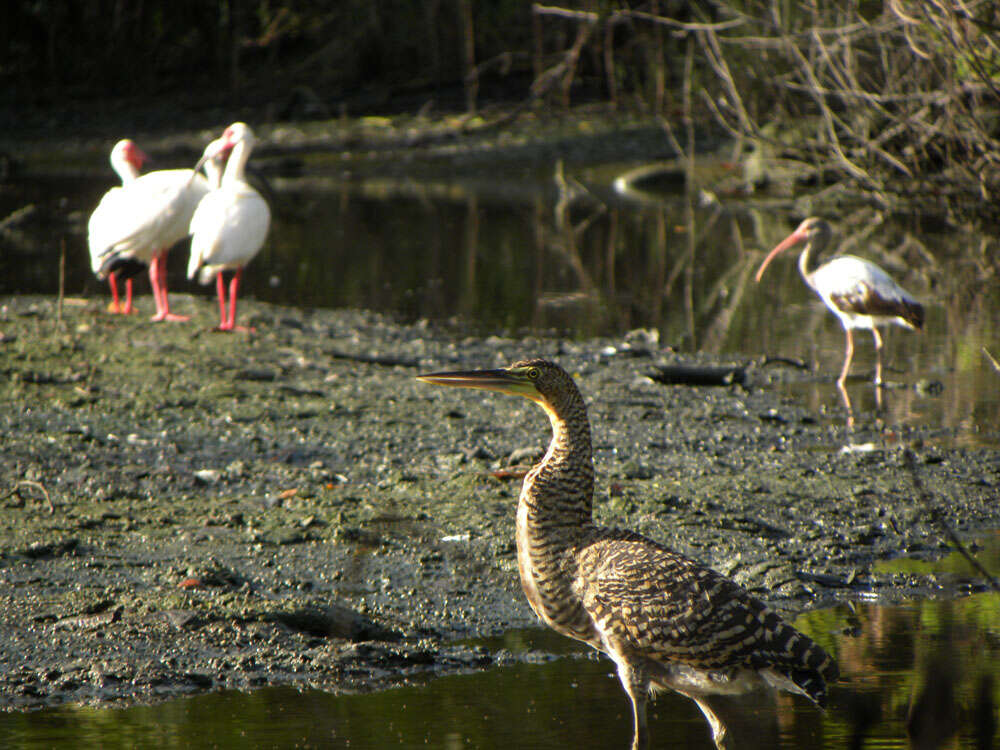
x: 924, y: 674
x: 926, y: 671
x: 518, y: 254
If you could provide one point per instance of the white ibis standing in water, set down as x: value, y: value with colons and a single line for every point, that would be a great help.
x: 230, y: 224
x: 152, y: 213
x: 857, y: 291
x: 102, y: 229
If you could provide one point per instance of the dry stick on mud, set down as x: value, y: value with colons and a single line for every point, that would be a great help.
x: 992, y: 359
x: 35, y: 485
x: 910, y: 461
x: 686, y: 155
x: 62, y: 282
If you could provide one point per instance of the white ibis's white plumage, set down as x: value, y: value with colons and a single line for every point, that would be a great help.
x: 857, y: 291
x: 230, y: 224
x: 153, y: 213
x: 103, y: 229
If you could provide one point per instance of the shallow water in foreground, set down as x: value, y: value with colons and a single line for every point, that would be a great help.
x: 942, y: 655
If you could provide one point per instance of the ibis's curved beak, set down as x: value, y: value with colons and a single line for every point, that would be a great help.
x: 799, y: 235
x: 212, y: 150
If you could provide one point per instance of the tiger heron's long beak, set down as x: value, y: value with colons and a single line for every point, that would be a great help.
x: 511, y: 382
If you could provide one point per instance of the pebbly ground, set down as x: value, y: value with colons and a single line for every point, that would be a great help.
x: 293, y: 507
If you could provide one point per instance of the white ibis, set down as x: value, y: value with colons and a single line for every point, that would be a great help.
x: 230, y: 224
x: 857, y: 291
x: 126, y: 160
x: 152, y: 213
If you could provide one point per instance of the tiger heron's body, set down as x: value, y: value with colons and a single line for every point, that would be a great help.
x: 665, y: 620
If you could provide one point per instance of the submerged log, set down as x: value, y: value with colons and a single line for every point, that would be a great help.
x: 699, y: 375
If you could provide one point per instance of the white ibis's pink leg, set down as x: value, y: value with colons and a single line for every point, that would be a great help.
x: 229, y: 323
x: 848, y: 356
x: 158, y: 279
x: 128, y: 298
x: 115, y: 306
x: 154, y: 272
x: 847, y: 404
x: 878, y: 356
x: 220, y: 290
x: 234, y: 285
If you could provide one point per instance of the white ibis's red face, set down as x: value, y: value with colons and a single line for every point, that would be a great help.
x: 225, y: 148
x: 802, y: 233
x: 235, y: 133
x: 808, y: 227
x: 134, y: 155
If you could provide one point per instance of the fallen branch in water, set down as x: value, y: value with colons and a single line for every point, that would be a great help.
x: 790, y: 361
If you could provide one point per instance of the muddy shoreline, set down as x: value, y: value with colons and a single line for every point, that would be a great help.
x: 293, y: 507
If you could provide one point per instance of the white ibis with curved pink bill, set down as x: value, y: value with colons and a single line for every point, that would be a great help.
x: 102, y: 229
x: 152, y: 213
x: 857, y: 291
x: 230, y: 224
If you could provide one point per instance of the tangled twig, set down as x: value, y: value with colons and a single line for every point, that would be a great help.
x: 910, y: 461
x: 38, y: 486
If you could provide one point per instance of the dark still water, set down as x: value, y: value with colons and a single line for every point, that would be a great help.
x: 932, y: 665
x: 498, y: 254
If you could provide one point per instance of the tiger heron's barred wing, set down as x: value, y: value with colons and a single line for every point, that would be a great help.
x: 671, y: 609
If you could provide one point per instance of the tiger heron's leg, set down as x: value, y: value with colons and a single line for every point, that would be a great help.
x: 720, y: 736
x: 636, y: 685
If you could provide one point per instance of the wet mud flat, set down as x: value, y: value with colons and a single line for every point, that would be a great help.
x: 293, y: 508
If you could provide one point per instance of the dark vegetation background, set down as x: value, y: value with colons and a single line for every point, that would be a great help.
x: 896, y: 98
x: 300, y: 58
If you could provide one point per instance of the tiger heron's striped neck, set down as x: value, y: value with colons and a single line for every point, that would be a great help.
x: 561, y: 486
